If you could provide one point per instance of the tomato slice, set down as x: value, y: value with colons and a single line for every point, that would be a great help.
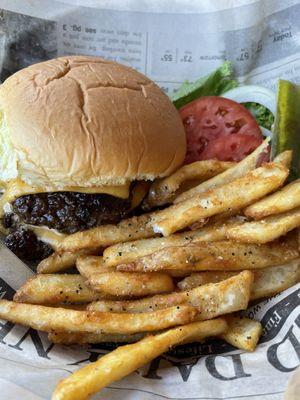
x: 219, y: 128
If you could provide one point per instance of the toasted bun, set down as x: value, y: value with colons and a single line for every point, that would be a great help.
x: 84, y: 121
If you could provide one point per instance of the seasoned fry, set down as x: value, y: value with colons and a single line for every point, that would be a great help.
x: 231, y: 196
x: 266, y: 230
x: 210, y: 300
x: 267, y: 281
x: 58, y: 262
x: 285, y: 158
x: 281, y: 201
x: 83, y: 338
x: 50, y: 319
x: 103, y: 236
x: 131, y: 284
x: 127, y: 252
x: 222, y: 255
x: 205, y: 277
x: 89, y: 265
x: 239, y: 170
x: 273, y: 280
x: 162, y: 191
x: 243, y: 333
x: 126, y: 359
x: 56, y: 289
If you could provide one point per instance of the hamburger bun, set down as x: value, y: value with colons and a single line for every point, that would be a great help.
x: 85, y: 121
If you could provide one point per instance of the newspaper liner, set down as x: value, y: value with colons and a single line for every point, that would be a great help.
x: 261, y: 40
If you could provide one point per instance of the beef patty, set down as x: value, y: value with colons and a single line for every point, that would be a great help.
x: 68, y: 212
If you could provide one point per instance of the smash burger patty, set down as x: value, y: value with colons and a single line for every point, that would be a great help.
x: 69, y: 212
x: 76, y: 135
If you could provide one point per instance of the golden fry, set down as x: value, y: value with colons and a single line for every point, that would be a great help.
x: 266, y: 230
x: 123, y: 253
x: 273, y: 280
x: 284, y: 158
x: 210, y: 300
x: 237, y: 171
x: 89, y: 265
x: 106, y: 235
x: 281, y: 201
x: 58, y: 262
x: 205, y: 277
x: 231, y: 196
x: 126, y: 359
x: 222, y: 255
x: 243, y: 333
x: 50, y: 319
x: 131, y: 284
x: 56, y: 289
x: 162, y: 191
x: 267, y: 281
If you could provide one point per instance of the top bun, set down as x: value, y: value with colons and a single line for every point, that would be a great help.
x: 85, y: 121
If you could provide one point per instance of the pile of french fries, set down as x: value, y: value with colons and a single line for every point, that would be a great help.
x: 227, y: 236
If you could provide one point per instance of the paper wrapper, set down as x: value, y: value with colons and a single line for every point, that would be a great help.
x: 170, y: 42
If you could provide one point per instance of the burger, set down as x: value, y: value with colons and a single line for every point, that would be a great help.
x: 80, y: 138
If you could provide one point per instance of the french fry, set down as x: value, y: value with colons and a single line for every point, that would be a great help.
x: 162, y: 191
x: 284, y: 158
x: 56, y: 289
x: 210, y: 300
x: 126, y: 359
x: 131, y: 284
x: 222, y: 255
x: 267, y: 281
x: 205, y: 277
x: 128, y: 252
x: 273, y: 280
x: 243, y: 333
x: 106, y: 235
x: 58, y: 262
x: 281, y: 201
x: 89, y: 265
x: 69, y: 338
x: 233, y: 173
x: 50, y: 319
x: 231, y: 196
x: 266, y: 230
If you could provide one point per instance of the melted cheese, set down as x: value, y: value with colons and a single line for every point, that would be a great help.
x: 50, y: 236
x: 17, y: 188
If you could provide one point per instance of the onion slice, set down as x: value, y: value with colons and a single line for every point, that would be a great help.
x: 253, y: 93
x: 266, y: 132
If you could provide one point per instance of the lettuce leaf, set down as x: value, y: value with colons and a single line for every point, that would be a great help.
x: 263, y: 116
x: 217, y: 82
